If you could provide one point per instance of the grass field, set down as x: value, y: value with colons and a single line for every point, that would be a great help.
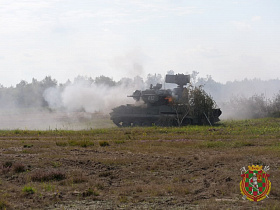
x: 195, y: 167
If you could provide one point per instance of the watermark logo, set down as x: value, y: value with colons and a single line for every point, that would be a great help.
x: 255, y: 185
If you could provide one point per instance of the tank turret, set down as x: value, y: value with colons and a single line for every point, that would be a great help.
x: 154, y: 96
x: 158, y: 106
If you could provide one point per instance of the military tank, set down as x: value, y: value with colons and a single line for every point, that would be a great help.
x: 162, y: 107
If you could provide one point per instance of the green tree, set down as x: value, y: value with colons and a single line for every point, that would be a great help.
x: 48, y: 82
x: 104, y: 81
x: 195, y: 106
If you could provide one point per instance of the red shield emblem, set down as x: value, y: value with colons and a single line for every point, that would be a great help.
x: 255, y: 185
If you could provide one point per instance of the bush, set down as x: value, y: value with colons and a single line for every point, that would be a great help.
x: 82, y: 143
x: 104, y: 143
x: 42, y: 176
x: 8, y: 164
x: 61, y: 144
x: 194, y: 102
x: 27, y: 146
x: 18, y: 167
x: 256, y: 106
x: 90, y: 192
x: 28, y: 190
x: 6, y: 167
x: 4, y: 204
x: 119, y: 142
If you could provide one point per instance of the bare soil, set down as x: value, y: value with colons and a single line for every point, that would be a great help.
x: 132, y: 168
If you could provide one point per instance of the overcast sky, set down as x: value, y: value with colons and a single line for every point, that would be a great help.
x: 227, y: 39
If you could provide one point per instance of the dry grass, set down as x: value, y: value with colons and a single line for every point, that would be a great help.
x: 153, y: 167
x: 47, y: 175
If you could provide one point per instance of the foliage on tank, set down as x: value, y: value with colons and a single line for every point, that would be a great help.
x: 197, y: 103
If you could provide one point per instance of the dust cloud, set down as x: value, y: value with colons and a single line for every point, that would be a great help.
x: 245, y: 99
x: 75, y: 106
x: 42, y: 105
x: 90, y: 98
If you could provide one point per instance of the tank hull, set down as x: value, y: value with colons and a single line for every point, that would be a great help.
x: 164, y: 115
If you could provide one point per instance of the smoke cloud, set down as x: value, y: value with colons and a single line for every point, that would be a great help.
x: 244, y: 99
x: 87, y: 97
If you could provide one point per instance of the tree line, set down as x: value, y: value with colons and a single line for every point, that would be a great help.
x: 239, y: 99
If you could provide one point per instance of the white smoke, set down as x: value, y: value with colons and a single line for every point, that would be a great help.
x: 86, y: 97
x: 53, y: 96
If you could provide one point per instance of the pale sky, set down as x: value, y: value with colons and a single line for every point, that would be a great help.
x: 227, y: 39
